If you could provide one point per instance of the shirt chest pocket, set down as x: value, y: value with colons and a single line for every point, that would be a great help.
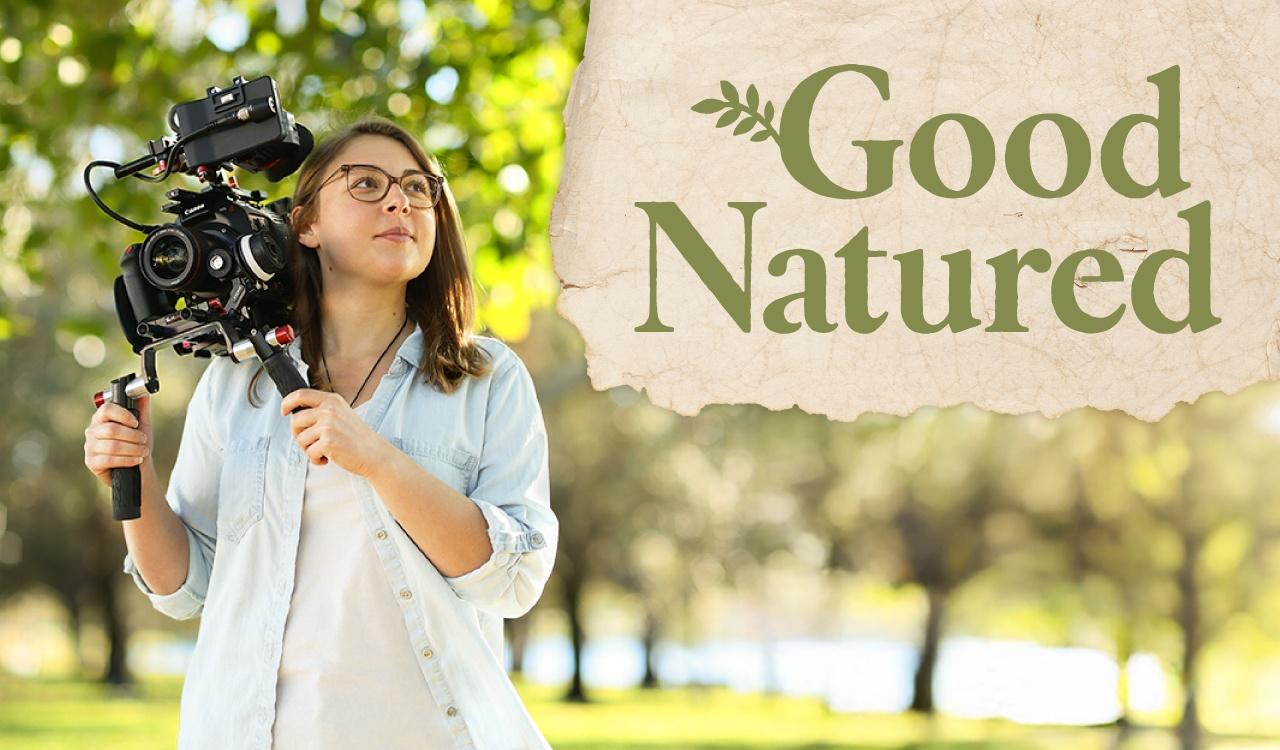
x: 242, y: 486
x: 455, y: 467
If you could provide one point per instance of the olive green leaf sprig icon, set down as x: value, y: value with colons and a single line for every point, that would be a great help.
x: 748, y: 110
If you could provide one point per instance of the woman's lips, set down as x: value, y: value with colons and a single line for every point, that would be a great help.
x: 396, y: 236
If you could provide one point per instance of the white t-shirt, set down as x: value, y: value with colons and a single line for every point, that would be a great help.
x: 348, y: 673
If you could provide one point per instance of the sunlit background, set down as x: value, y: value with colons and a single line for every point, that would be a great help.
x: 743, y: 578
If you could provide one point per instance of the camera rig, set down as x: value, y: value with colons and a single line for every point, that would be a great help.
x: 209, y: 283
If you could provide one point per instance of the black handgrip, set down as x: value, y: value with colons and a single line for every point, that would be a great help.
x: 126, y: 493
x: 284, y: 374
x: 126, y: 482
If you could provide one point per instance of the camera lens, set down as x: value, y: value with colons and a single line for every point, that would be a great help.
x: 261, y: 255
x: 170, y: 258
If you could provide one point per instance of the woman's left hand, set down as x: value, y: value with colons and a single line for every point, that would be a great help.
x: 327, y: 429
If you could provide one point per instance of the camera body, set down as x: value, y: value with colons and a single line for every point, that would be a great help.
x: 221, y: 258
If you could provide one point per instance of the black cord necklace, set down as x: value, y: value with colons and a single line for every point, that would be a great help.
x: 375, y: 364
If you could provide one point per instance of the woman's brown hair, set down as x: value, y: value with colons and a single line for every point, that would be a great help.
x: 439, y: 300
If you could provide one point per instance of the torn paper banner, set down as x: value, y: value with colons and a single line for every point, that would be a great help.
x: 878, y: 206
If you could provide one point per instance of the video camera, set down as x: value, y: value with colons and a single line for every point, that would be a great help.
x: 209, y: 283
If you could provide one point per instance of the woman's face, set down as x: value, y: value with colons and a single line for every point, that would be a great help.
x: 352, y: 237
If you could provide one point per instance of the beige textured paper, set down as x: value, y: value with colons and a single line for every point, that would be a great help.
x: 631, y: 136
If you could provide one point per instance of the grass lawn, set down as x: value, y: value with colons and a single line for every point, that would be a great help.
x: 54, y: 714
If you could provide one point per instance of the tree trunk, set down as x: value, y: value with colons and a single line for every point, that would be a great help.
x: 649, y: 639
x: 518, y: 640
x: 101, y: 577
x: 75, y: 625
x: 922, y: 698
x: 573, y: 609
x: 1192, y: 640
x: 117, y: 670
x: 1124, y: 651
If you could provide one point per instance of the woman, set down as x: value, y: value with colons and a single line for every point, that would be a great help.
x: 352, y: 563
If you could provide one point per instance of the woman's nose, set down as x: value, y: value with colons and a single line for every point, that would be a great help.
x: 396, y: 201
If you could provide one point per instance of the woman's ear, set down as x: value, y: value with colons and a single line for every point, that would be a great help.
x: 307, y: 237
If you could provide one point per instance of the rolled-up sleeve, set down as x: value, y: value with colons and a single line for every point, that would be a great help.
x: 188, y: 600
x: 513, y: 492
x: 192, y: 494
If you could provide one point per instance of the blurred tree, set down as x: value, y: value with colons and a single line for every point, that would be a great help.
x: 720, y: 524
x: 69, y: 544
x: 788, y: 517
x: 1106, y: 533
x: 603, y: 447
x: 1171, y: 522
x: 604, y: 444
x: 1202, y: 472
x: 931, y: 506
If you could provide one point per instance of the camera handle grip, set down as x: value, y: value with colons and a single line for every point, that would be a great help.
x: 126, y: 482
x: 282, y: 372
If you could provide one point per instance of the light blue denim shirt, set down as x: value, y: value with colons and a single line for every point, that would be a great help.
x: 238, y: 485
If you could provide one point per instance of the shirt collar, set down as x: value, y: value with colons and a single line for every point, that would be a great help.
x: 411, y: 350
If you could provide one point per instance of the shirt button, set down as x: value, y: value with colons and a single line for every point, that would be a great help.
x: 451, y: 711
x: 537, y: 537
x: 406, y: 594
x: 428, y: 653
x: 381, y: 534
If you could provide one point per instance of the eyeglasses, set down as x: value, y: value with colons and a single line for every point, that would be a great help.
x: 370, y: 184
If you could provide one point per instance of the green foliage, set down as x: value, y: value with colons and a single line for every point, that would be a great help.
x: 481, y: 83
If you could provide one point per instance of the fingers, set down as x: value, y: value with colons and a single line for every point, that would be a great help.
x: 302, y: 420
x: 314, y: 444
x: 111, y: 438
x: 307, y: 438
x: 110, y: 412
x: 109, y: 431
x: 102, y: 455
x: 117, y: 452
x: 317, y: 454
x: 306, y: 398
x: 119, y: 445
x: 114, y: 440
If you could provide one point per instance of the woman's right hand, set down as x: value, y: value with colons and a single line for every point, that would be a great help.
x: 115, y: 439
